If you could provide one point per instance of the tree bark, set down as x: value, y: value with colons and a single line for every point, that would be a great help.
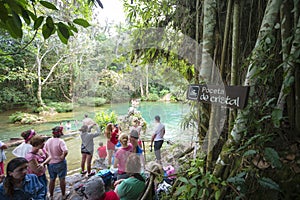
x: 226, y: 37
x: 234, y: 56
x: 209, y: 22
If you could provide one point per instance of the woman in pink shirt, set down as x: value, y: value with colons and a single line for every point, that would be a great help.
x: 58, y: 151
x: 122, y: 155
x: 37, y: 160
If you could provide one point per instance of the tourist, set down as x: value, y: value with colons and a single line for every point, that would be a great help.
x: 24, y: 147
x: 134, y: 138
x: 137, y: 126
x: 18, y: 185
x: 132, y: 187
x: 111, y: 141
x: 87, y: 121
x: 38, y: 158
x: 57, y: 149
x: 122, y: 155
x: 87, y: 146
x: 68, y: 126
x: 158, y: 138
x: 102, y: 152
x: 2, y: 157
x: 94, y: 189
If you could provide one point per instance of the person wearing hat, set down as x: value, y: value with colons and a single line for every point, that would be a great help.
x: 94, y: 189
x: 87, y: 146
x: 57, y: 149
x: 134, y: 138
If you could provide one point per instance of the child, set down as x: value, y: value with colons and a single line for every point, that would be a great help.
x: 68, y: 126
x: 102, y: 152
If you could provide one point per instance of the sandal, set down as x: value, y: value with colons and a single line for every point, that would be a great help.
x: 91, y: 174
x: 83, y: 172
x: 67, y: 194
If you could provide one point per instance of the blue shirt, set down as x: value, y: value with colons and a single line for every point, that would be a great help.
x: 32, y: 189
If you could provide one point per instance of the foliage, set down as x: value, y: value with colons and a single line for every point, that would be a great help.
x: 196, y: 184
x: 61, y: 107
x: 24, y: 118
x: 103, y: 118
x: 151, y: 97
x: 163, y: 92
x: 92, y: 101
x: 15, y: 14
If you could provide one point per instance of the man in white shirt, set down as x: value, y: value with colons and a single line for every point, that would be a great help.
x: 158, y: 138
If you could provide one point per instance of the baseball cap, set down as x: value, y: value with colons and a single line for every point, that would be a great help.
x: 94, y: 187
x: 134, y: 134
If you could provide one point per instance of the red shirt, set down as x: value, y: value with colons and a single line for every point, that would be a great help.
x: 113, y: 137
x: 102, y: 152
x: 111, y: 195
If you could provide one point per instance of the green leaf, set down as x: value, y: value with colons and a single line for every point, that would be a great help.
x: 268, y: 183
x: 276, y: 117
x: 14, y: 30
x: 183, y: 179
x: 180, y: 190
x: 193, y: 192
x: 3, y: 13
x: 64, y: 30
x: 272, y: 156
x: 25, y: 16
x: 48, y: 5
x: 217, y: 194
x: 62, y: 38
x: 49, y: 22
x: 32, y: 15
x: 249, y: 153
x: 38, y: 22
x: 72, y: 27
x: 81, y: 22
x: 46, y: 31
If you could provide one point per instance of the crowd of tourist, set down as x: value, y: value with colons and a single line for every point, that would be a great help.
x: 25, y: 176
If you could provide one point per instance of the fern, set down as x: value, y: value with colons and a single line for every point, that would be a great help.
x: 268, y: 183
x: 272, y: 156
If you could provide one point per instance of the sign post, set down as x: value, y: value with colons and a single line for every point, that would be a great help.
x: 229, y: 96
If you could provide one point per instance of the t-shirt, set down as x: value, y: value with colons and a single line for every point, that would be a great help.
x: 111, y: 195
x: 130, y: 189
x: 159, y: 131
x: 22, y: 149
x: 55, y: 148
x: 102, y: 152
x: 39, y: 158
x: 88, y: 140
x: 113, y: 137
x: 122, y: 155
x: 137, y: 128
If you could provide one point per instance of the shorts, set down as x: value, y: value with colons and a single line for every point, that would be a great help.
x: 57, y: 169
x: 84, y: 150
x: 158, y: 145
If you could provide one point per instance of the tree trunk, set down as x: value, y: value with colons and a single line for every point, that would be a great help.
x: 147, y: 80
x: 226, y: 38
x: 141, y: 88
x: 234, y: 55
x: 207, y: 65
x: 285, y: 28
